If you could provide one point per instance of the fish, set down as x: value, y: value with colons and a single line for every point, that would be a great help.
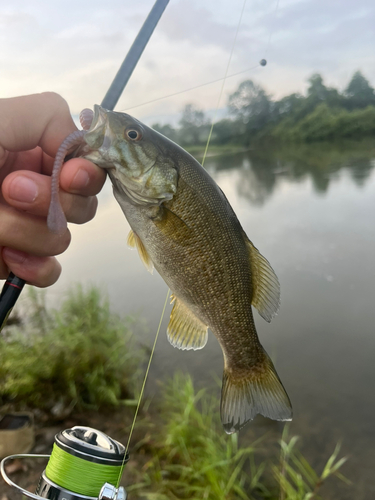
x: 183, y: 226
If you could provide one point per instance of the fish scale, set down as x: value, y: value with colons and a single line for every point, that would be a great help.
x: 183, y: 225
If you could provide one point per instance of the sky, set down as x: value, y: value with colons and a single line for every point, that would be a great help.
x: 76, y: 47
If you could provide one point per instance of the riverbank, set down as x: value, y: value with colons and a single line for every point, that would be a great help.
x: 179, y: 449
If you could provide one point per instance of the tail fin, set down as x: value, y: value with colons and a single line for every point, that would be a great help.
x: 261, y: 391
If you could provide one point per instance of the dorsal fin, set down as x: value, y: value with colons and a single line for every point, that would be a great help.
x: 185, y: 331
x: 135, y: 242
x: 266, y: 286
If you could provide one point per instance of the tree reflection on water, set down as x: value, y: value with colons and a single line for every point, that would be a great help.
x: 260, y: 170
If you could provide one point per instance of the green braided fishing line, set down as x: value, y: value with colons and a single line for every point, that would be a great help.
x: 78, y: 475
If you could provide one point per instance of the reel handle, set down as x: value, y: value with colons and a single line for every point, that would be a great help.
x: 14, y: 485
x: 108, y: 491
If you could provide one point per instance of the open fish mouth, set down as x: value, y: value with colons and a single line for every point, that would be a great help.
x: 96, y: 134
x: 98, y: 138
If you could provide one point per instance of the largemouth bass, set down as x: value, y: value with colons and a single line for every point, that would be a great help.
x: 183, y: 225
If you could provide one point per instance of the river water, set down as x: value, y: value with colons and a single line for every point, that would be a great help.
x: 311, y: 212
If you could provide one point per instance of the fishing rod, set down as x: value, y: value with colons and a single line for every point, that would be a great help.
x: 14, y: 285
x: 85, y: 464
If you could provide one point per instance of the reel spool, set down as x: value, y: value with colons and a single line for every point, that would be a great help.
x: 84, y: 465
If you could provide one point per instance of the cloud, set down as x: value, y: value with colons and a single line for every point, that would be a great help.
x: 75, y: 48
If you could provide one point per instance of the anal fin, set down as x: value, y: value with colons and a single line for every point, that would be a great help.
x: 134, y: 241
x: 266, y: 286
x: 185, y: 331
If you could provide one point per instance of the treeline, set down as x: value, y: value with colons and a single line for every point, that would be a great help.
x: 323, y: 114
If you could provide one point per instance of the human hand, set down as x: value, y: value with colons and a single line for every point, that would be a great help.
x: 31, y: 131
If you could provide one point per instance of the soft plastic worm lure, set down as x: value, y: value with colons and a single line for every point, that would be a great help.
x: 56, y: 220
x: 85, y: 118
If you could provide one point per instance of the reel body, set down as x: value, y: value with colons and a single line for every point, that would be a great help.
x: 84, y: 465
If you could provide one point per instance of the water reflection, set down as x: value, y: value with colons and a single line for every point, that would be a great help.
x: 310, y: 211
x: 260, y: 170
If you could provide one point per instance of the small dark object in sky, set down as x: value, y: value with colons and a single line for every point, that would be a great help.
x: 262, y: 62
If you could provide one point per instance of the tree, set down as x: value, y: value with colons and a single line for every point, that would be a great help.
x: 166, y: 130
x: 251, y: 104
x: 287, y: 106
x: 249, y: 101
x: 317, y: 93
x: 317, y: 90
x: 228, y: 131
x: 193, y: 125
x: 359, y: 93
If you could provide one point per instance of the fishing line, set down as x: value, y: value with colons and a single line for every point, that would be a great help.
x: 224, y: 80
x: 192, y: 88
x: 271, y: 32
x: 142, y: 389
x: 168, y: 292
x: 211, y: 81
x: 204, y: 157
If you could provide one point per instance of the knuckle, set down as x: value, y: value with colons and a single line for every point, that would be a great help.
x: 49, y: 274
x: 91, y: 211
x: 60, y: 112
x: 55, y: 100
x: 82, y: 209
x: 61, y: 243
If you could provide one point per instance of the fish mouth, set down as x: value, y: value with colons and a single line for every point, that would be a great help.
x: 97, y: 138
x: 94, y: 137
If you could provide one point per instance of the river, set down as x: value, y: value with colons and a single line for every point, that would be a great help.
x: 310, y: 210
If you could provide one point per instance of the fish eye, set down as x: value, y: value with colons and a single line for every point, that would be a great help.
x: 134, y: 135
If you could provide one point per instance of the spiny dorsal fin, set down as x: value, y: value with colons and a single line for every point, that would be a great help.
x: 185, y: 331
x: 135, y: 242
x: 266, y: 286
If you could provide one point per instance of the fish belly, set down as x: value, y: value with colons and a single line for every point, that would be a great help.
x: 200, y: 252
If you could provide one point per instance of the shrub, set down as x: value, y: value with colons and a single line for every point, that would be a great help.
x: 80, y: 355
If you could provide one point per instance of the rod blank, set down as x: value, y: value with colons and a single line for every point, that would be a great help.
x: 127, y: 67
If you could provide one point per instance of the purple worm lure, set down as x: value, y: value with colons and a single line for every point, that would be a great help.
x: 56, y: 220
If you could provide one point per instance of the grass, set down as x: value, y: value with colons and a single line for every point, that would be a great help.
x: 214, y: 150
x: 81, y: 355
x: 296, y: 478
x: 192, y: 457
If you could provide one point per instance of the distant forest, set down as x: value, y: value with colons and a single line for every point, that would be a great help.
x: 323, y: 114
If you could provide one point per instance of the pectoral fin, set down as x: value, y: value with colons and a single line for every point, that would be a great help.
x: 172, y: 226
x: 185, y: 330
x: 135, y: 242
x: 266, y: 286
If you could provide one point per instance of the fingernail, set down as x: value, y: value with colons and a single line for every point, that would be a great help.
x: 23, y: 189
x: 14, y: 256
x: 80, y: 180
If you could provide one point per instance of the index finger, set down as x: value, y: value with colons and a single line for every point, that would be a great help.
x: 35, y: 120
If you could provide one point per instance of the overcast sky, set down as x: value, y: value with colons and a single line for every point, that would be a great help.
x: 75, y: 47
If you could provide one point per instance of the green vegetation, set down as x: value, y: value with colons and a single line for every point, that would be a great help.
x: 192, y: 457
x: 325, y: 123
x: 81, y: 355
x: 323, y: 114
